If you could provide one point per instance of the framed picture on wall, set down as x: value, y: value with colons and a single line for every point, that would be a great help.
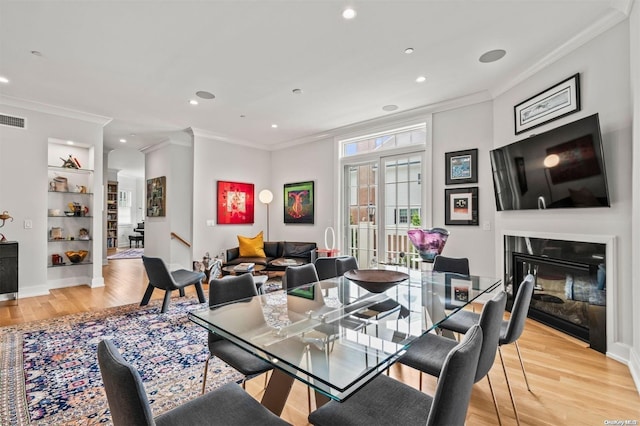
x: 235, y: 203
x: 555, y: 102
x: 461, y: 166
x: 157, y: 197
x: 299, y: 202
x: 461, y: 206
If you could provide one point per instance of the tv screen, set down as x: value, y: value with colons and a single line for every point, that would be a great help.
x: 561, y: 168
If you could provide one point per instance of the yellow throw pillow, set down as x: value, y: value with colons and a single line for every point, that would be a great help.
x: 251, y: 247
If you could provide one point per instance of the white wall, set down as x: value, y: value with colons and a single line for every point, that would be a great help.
x: 450, y: 134
x: 603, y: 64
x: 634, y: 50
x: 313, y: 161
x: 214, y: 160
x: 23, y: 185
x: 174, y: 160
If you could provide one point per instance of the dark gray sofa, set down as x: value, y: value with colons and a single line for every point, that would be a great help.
x: 276, y: 250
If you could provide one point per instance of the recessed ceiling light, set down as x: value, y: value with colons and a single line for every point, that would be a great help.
x: 275, y: 126
x: 205, y: 95
x: 242, y: 116
x: 69, y: 142
x: 297, y: 91
x: 4, y: 79
x: 36, y: 53
x: 421, y: 79
x: 348, y: 13
x: 492, y: 56
x: 123, y: 140
x: 193, y: 102
x: 408, y: 50
x: 390, y: 107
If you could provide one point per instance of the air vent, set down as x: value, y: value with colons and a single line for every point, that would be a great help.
x: 7, y: 120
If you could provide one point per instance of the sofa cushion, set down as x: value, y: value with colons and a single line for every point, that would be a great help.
x: 272, y: 248
x: 297, y: 249
x: 251, y: 246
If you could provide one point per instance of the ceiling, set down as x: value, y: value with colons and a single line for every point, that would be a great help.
x: 140, y: 62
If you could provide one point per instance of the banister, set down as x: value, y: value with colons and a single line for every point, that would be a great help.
x: 179, y: 238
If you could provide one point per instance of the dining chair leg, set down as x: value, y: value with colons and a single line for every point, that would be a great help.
x: 495, y: 401
x: 522, y: 366
x: 204, y: 378
x: 513, y: 401
x: 420, y: 385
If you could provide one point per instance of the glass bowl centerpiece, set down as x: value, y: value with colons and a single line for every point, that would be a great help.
x: 428, y: 242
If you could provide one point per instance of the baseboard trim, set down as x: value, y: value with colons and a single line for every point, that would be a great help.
x: 634, y: 368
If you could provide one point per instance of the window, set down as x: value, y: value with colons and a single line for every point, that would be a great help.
x: 384, y: 194
x: 124, y: 207
x: 403, y: 137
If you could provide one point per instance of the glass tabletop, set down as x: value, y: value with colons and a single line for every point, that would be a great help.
x: 337, y: 334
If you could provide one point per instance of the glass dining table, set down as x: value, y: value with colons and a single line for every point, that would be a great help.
x: 338, y: 334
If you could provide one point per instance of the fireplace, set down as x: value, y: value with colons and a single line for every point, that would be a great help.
x: 570, y: 284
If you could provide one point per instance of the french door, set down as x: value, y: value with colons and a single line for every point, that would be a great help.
x: 384, y: 198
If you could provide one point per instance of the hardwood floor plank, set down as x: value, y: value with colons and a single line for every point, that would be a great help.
x: 571, y: 384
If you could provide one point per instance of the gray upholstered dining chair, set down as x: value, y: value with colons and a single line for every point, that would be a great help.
x: 326, y: 267
x: 386, y: 401
x: 345, y: 263
x: 128, y: 403
x: 457, y: 265
x: 295, y: 276
x: 224, y: 290
x: 160, y: 277
x: 428, y: 353
x: 510, y: 330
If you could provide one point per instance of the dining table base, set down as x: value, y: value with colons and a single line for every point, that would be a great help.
x: 278, y: 389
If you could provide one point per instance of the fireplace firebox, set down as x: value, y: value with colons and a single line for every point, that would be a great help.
x: 569, y: 288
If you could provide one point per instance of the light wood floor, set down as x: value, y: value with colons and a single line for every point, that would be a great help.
x: 571, y: 384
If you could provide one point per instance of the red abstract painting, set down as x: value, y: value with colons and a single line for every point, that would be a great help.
x: 235, y: 203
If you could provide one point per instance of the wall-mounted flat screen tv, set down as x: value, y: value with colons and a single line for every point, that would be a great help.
x: 561, y: 168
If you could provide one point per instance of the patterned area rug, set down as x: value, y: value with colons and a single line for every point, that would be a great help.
x: 134, y: 253
x: 49, y: 373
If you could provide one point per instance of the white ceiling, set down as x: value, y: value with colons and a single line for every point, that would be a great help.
x: 140, y: 62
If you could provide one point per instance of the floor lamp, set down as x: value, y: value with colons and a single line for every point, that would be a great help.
x: 265, y: 196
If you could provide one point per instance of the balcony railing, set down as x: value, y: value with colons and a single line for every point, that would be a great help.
x: 398, y: 248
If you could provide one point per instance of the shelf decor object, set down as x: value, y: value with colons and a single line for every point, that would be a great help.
x: 461, y: 206
x: 299, y: 202
x: 235, y: 203
x: 428, y: 242
x: 558, y: 101
x: 461, y: 167
x: 69, y: 222
x: 76, y: 256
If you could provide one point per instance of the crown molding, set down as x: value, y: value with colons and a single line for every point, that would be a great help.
x: 55, y: 110
x: 620, y: 10
x: 201, y: 133
x: 392, y: 120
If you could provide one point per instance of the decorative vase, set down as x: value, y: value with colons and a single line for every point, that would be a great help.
x: 428, y: 242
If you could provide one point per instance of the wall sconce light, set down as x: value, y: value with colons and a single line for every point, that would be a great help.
x: 266, y: 197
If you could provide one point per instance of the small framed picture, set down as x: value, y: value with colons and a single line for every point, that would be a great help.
x: 461, y: 167
x: 459, y: 292
x: 461, y: 206
x: 555, y: 102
